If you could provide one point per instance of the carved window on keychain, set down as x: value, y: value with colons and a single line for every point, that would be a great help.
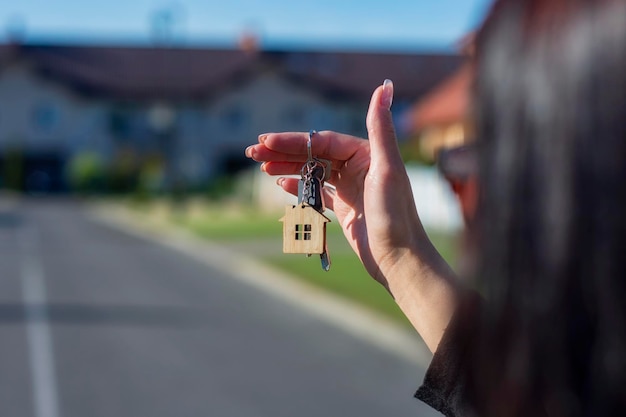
x: 303, y: 232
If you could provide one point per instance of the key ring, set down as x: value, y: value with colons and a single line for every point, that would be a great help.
x: 311, y: 162
x: 309, y: 145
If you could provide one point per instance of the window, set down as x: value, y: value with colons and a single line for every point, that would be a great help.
x: 45, y: 116
x: 303, y: 232
x: 235, y: 117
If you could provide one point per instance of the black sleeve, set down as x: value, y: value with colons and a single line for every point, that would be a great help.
x: 444, y: 384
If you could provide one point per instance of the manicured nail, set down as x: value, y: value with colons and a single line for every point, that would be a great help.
x: 263, y: 167
x: 280, y: 181
x: 386, y: 98
x: 249, y: 151
x: 263, y: 137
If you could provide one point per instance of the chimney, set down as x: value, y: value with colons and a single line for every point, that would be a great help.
x: 248, y: 42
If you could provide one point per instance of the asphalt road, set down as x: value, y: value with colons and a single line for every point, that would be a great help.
x: 96, y: 322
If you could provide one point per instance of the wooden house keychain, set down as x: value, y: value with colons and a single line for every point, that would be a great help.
x: 304, y: 224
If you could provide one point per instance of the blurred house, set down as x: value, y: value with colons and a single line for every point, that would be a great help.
x: 442, y: 117
x: 194, y: 110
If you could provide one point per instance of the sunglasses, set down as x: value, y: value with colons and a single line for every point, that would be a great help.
x: 458, y: 163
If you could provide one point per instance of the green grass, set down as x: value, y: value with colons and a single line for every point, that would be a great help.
x: 347, y: 277
x: 229, y: 229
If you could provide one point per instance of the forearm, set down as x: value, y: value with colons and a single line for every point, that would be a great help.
x: 424, y: 287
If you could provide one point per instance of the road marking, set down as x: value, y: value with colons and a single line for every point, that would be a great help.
x: 39, y: 337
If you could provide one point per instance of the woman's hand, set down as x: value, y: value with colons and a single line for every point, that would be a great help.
x: 372, y: 199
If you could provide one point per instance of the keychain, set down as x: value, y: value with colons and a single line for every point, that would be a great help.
x: 304, y: 224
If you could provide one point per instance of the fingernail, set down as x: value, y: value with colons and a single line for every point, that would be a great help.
x: 249, y: 151
x: 386, y: 98
x: 262, y: 138
x: 263, y: 167
x: 280, y: 181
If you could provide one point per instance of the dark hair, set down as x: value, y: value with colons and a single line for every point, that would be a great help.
x: 550, y: 110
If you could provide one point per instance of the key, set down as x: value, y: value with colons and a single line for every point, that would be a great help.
x: 320, y: 174
x: 310, y: 185
x: 310, y: 192
x: 325, y: 259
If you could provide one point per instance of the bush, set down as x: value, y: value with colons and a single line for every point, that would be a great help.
x: 86, y: 173
x: 13, y: 171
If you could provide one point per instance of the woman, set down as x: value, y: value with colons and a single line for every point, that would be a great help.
x: 548, y: 335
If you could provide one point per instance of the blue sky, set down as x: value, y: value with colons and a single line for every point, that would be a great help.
x: 399, y: 24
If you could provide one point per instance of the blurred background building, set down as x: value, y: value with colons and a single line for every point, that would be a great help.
x: 80, y: 116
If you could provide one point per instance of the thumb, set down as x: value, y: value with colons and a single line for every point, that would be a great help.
x: 380, y: 128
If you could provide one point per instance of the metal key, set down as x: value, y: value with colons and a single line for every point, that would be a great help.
x: 310, y: 192
x: 325, y: 259
x: 320, y: 174
x: 310, y: 187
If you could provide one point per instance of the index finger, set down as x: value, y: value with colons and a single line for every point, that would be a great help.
x: 325, y: 144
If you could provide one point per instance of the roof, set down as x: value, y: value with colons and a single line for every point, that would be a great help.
x: 446, y: 103
x: 194, y: 73
x: 311, y: 209
x: 359, y: 73
x: 138, y: 73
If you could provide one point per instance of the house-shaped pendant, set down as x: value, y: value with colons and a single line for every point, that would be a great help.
x: 304, y: 230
